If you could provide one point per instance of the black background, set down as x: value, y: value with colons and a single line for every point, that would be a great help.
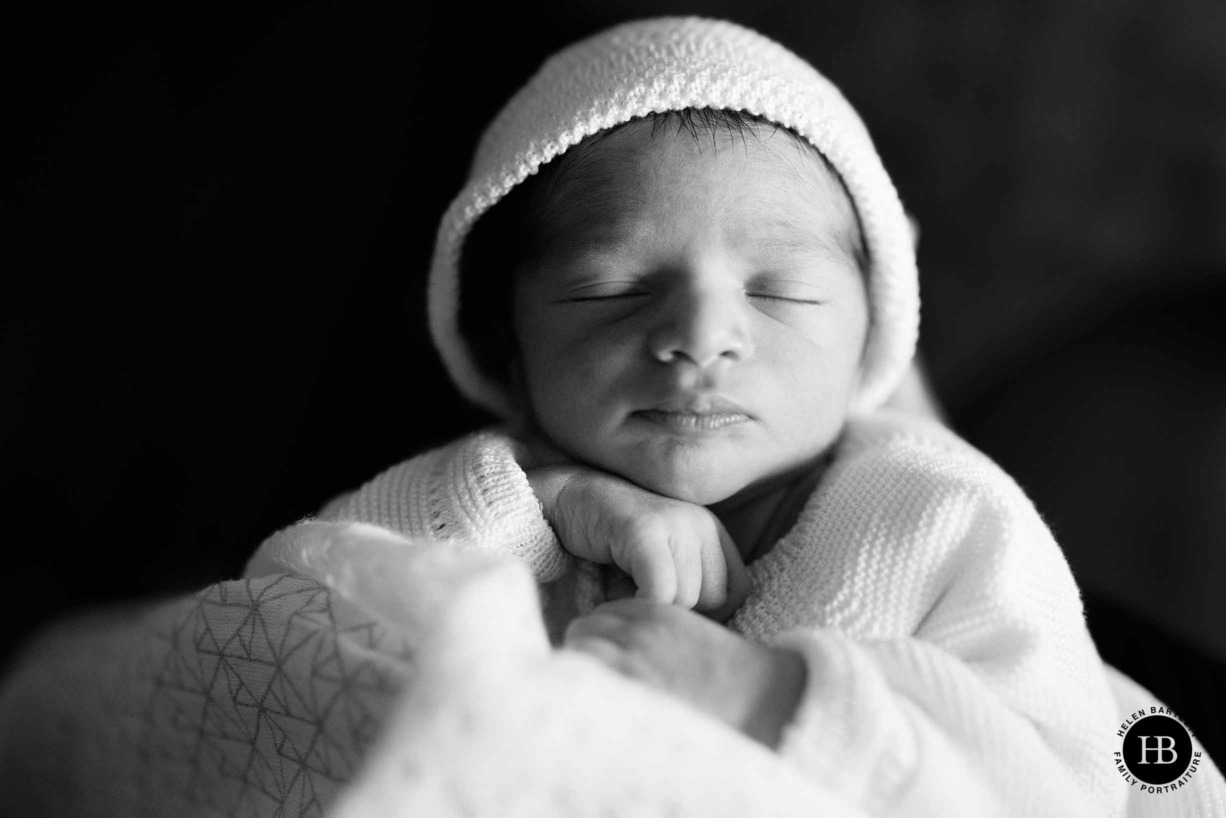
x: 216, y: 221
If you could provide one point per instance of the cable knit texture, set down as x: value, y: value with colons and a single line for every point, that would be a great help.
x: 668, y: 64
x: 950, y: 670
x: 471, y: 491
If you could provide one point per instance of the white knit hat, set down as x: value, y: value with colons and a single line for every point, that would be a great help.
x: 668, y: 64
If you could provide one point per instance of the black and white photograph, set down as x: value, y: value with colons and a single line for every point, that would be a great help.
x: 624, y: 409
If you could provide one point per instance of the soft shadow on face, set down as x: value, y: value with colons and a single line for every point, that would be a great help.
x: 695, y: 317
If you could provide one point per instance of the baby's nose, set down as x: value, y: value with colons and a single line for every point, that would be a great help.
x: 702, y: 327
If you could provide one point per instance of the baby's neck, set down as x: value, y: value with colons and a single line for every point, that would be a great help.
x: 759, y: 515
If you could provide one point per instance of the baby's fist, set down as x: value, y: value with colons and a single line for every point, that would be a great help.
x: 675, y: 552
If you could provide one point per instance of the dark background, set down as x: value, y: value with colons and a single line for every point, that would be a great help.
x: 216, y: 221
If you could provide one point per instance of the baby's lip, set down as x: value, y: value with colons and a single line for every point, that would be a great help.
x: 698, y: 404
x: 695, y: 414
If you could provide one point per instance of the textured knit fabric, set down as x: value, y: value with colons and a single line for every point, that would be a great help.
x: 669, y: 64
x: 471, y: 491
x: 950, y: 670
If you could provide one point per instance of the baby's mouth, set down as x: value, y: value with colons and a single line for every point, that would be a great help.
x: 693, y: 421
x: 694, y: 412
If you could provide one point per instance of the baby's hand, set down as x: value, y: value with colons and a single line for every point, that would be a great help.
x: 675, y: 552
x: 749, y: 686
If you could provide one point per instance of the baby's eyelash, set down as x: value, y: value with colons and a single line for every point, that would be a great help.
x: 579, y: 299
x: 784, y: 298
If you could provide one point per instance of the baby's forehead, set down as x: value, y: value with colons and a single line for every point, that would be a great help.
x: 619, y: 157
x: 615, y: 176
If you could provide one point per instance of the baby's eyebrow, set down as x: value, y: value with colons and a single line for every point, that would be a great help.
x: 787, y: 239
x: 790, y: 240
x: 592, y: 237
x: 595, y: 216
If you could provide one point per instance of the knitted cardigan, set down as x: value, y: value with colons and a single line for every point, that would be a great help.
x: 941, y: 627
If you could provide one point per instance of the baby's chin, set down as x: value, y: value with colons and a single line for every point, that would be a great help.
x: 703, y: 489
x: 699, y: 474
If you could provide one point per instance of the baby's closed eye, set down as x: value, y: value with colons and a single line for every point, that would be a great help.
x: 605, y: 290
x: 785, y: 289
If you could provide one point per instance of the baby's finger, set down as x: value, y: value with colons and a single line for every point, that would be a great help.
x: 605, y: 623
x: 738, y: 584
x: 714, y: 576
x: 690, y: 565
x: 655, y: 573
x: 607, y: 652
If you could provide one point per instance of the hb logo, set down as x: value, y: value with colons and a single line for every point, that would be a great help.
x: 1166, y: 744
x: 1157, y: 749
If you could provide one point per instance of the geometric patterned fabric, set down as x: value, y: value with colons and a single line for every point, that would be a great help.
x: 268, y: 694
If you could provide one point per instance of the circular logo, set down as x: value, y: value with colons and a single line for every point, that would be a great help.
x: 1157, y: 749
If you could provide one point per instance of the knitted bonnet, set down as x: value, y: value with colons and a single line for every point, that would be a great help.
x: 667, y: 64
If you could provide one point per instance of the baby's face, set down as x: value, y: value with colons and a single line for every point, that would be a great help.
x: 696, y: 319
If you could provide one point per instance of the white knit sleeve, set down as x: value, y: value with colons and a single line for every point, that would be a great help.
x: 471, y: 491
x: 949, y: 668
